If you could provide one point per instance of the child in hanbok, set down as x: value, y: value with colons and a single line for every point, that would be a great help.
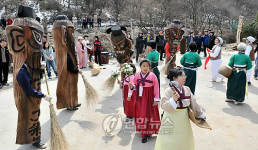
x: 128, y: 95
x: 147, y: 119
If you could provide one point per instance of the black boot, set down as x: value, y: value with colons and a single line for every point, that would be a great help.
x: 145, y: 139
x: 39, y: 145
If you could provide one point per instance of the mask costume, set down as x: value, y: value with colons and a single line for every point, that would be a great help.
x: 122, y: 45
x: 173, y: 35
x: 24, y: 38
x: 67, y: 64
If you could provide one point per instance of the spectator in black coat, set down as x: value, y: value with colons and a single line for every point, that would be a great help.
x: 3, y: 22
x: 91, y: 22
x: 198, y: 40
x: 139, y: 45
x: 99, y: 22
x: 190, y: 39
x: 160, y: 44
x: 84, y: 22
x: 212, y: 40
x: 4, y: 63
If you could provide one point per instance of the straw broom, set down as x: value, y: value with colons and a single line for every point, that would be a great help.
x: 92, y: 96
x: 57, y: 141
x: 165, y: 68
x: 109, y: 84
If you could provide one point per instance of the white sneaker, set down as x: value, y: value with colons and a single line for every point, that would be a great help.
x: 235, y: 102
x: 229, y: 100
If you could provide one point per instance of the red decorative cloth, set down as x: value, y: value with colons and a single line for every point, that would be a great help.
x: 207, y: 59
x: 167, y: 49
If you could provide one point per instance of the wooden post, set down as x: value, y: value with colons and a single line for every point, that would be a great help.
x: 44, y: 20
x: 96, y: 24
x: 131, y: 29
x: 239, y: 29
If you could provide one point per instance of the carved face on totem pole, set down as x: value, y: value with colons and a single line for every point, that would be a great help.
x: 173, y: 35
x: 63, y: 32
x: 25, y: 43
x: 122, y: 45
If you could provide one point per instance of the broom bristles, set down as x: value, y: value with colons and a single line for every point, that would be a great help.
x: 109, y: 84
x: 58, y: 140
x: 92, y: 96
x: 165, y: 68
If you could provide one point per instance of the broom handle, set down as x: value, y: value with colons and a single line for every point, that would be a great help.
x: 45, y: 72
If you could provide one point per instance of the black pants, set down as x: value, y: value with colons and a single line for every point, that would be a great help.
x: 138, y: 52
x: 199, y: 48
x: 90, y: 57
x: 4, y: 72
x: 204, y: 50
x: 161, y: 50
x: 84, y: 25
x: 97, y: 57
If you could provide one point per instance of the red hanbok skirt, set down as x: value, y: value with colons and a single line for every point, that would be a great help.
x: 90, y: 52
x: 147, y: 119
x: 129, y: 106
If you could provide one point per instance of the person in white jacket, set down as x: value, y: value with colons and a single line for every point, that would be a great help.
x: 250, y: 52
x: 216, y: 60
x: 74, y: 19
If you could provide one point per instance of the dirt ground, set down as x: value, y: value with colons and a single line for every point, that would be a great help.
x: 235, y: 127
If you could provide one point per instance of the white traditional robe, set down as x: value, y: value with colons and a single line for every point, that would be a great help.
x: 215, y: 64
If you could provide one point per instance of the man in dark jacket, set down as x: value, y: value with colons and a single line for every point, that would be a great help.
x: 190, y: 39
x: 212, y: 40
x: 3, y: 23
x: 99, y: 21
x: 4, y: 63
x: 160, y: 44
x: 206, y: 40
x: 147, y: 38
x: 198, y: 40
x: 91, y: 22
x: 139, y: 45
